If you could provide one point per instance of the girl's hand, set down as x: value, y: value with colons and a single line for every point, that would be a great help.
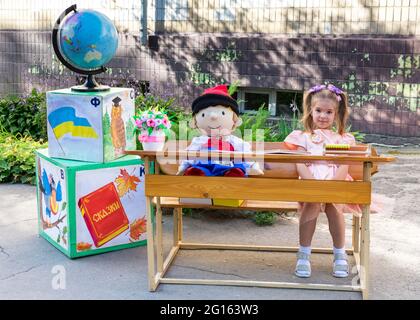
x: 302, y: 169
x: 341, y: 173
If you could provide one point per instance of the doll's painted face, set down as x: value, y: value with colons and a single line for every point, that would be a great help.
x: 216, y: 121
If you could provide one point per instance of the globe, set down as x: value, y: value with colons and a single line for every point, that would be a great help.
x: 88, y: 39
x: 85, y: 41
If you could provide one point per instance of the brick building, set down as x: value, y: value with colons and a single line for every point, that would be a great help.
x: 274, y: 48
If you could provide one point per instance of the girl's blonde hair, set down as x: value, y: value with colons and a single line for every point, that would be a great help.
x: 340, y: 100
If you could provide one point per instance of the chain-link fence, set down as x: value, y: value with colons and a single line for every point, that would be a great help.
x: 371, y: 48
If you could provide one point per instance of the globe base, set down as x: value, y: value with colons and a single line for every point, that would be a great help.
x: 90, y: 85
x: 83, y: 88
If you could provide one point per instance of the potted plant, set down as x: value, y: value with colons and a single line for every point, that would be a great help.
x: 153, y: 126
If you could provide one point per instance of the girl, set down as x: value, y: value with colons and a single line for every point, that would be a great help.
x: 324, y: 106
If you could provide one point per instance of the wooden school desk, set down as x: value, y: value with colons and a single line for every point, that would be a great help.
x: 269, y: 191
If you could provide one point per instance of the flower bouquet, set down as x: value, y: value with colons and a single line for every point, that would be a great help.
x: 153, y: 126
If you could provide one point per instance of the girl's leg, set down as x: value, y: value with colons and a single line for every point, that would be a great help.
x: 337, y: 230
x: 336, y: 225
x: 307, y: 224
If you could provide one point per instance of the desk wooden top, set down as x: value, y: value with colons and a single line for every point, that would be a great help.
x: 167, y: 156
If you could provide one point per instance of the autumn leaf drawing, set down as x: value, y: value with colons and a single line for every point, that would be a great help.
x: 83, y: 246
x: 137, y: 228
x: 126, y: 183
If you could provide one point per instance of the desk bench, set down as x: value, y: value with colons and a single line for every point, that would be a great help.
x: 278, y: 189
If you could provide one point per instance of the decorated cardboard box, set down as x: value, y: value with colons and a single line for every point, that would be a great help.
x: 90, y: 126
x: 86, y: 208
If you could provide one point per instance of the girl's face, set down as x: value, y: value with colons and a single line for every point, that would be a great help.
x: 323, y: 113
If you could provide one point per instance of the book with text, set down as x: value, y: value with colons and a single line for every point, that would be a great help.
x: 104, y: 214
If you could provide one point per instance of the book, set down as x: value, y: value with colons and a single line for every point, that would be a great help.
x: 104, y: 214
x: 284, y: 151
x: 269, y: 151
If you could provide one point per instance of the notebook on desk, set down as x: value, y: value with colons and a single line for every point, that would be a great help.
x: 284, y: 151
x: 270, y: 151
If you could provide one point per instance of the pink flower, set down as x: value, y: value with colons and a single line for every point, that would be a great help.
x: 139, y: 123
x: 158, y: 122
x: 150, y: 123
x: 166, y: 122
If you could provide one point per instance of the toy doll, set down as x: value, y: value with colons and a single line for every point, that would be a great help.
x: 216, y: 116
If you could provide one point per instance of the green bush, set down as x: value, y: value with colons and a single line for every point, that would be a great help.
x: 17, y: 157
x: 272, y: 133
x: 175, y: 113
x: 25, y: 115
x: 178, y: 115
x: 254, y: 122
x: 264, y: 218
x: 359, y: 136
x: 279, y: 131
x: 148, y: 101
x: 250, y: 121
x: 284, y: 127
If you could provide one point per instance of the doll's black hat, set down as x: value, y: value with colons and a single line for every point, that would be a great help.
x: 215, y: 96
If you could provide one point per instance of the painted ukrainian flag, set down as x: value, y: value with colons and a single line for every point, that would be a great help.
x: 64, y: 120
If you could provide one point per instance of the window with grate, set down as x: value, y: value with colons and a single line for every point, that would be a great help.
x: 250, y: 100
x: 288, y: 103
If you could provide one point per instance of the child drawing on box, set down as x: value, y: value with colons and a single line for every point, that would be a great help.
x: 323, y: 108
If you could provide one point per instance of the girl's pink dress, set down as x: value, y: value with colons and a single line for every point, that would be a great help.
x: 314, y: 143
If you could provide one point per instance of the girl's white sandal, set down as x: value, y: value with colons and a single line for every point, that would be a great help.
x: 303, y: 270
x: 340, y: 270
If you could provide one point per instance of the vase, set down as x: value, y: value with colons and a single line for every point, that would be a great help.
x: 153, y: 142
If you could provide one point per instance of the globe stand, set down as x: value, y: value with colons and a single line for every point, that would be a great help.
x: 90, y: 85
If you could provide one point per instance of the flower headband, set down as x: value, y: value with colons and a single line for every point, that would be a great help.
x: 330, y: 87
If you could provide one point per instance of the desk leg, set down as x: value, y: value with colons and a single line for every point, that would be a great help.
x: 365, y: 238
x: 176, y: 226
x: 150, y: 246
x: 179, y: 214
x: 159, y: 232
x: 356, y: 234
x: 150, y: 235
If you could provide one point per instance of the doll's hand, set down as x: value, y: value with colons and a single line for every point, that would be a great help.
x: 255, y: 170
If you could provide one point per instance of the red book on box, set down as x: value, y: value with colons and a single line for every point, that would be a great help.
x: 104, y: 214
